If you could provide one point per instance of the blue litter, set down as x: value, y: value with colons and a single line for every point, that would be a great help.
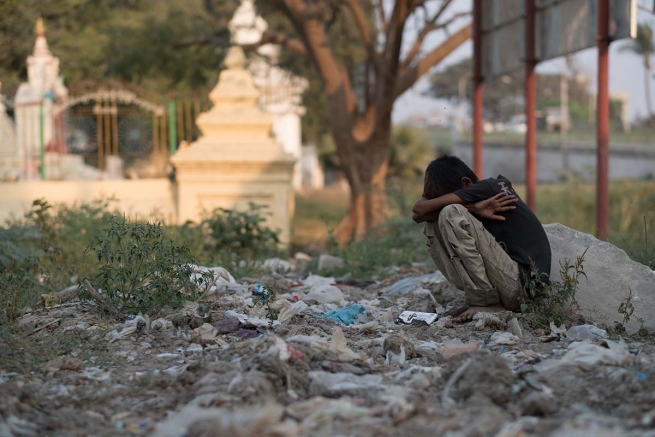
x: 642, y: 376
x: 346, y: 315
x: 261, y: 292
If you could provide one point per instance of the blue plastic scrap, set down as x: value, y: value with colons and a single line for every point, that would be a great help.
x: 261, y: 292
x: 346, y: 315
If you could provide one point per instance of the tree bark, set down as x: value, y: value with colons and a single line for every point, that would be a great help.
x: 363, y: 136
x: 368, y: 199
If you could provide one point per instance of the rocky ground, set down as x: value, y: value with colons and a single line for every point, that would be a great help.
x: 222, y: 368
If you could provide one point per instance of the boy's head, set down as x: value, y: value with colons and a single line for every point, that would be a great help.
x: 445, y: 175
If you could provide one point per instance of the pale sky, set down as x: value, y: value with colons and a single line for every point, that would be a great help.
x: 626, y: 70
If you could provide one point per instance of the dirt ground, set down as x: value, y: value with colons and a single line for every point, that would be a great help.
x: 210, y: 371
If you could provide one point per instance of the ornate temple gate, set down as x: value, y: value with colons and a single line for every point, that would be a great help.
x: 116, y: 122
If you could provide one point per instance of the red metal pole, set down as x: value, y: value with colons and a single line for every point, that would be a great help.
x: 530, y: 106
x: 602, y: 122
x: 477, y: 87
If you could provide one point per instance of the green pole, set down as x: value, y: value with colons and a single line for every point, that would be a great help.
x: 42, y: 142
x: 172, y: 127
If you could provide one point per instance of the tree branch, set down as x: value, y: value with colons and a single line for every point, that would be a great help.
x: 409, y: 76
x: 364, y: 28
x: 429, y: 26
x: 396, y: 27
x: 292, y: 44
x: 383, y: 17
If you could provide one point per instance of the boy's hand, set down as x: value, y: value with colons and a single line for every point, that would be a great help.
x: 489, y: 207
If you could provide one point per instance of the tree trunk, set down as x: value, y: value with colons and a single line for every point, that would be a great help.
x: 368, y: 199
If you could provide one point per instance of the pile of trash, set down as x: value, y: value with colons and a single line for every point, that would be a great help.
x: 307, y: 355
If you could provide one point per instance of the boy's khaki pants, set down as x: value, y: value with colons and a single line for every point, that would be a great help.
x: 472, y: 260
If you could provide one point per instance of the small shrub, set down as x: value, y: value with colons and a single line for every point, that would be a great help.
x: 626, y: 309
x: 19, y: 267
x: 141, y: 269
x: 19, y: 288
x: 553, y: 301
x: 239, y: 239
x: 58, y: 237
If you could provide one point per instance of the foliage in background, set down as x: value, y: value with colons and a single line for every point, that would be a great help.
x: 410, y: 151
x: 44, y: 251
x: 141, y: 269
x: 64, y: 234
x: 158, y: 44
x: 19, y: 288
x: 552, y: 301
x: 632, y: 213
x: 503, y: 95
x: 142, y: 266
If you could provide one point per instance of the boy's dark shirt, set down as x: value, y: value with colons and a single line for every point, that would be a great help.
x: 521, y: 234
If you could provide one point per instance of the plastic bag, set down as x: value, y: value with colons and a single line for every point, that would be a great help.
x: 585, y: 332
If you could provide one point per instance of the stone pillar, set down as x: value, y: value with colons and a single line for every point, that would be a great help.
x: 237, y: 160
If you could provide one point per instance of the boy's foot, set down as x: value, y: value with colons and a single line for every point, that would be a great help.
x: 467, y: 314
x: 455, y: 312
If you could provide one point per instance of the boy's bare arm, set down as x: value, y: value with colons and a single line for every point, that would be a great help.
x: 487, y: 208
x: 429, y: 209
x: 431, y: 217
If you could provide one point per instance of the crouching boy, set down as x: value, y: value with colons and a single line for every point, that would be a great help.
x: 481, y: 236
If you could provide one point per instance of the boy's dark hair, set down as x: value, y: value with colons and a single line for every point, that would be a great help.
x: 444, y: 175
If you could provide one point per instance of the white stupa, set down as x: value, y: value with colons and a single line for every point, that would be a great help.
x: 281, y: 92
x: 44, y: 87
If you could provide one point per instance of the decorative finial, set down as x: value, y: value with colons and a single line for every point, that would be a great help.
x: 40, y: 28
x: 235, y: 59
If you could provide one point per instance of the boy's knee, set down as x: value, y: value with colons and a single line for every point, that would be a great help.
x: 451, y: 211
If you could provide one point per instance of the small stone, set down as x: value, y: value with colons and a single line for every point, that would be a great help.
x: 247, y: 333
x: 227, y: 325
x: 503, y: 339
x: 485, y: 374
x: 64, y: 362
x: 538, y: 404
x: 187, y: 378
x: 394, y: 342
x: 449, y: 352
x: 71, y: 363
x: 329, y: 262
x: 301, y: 256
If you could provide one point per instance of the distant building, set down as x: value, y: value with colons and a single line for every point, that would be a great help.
x: 416, y: 120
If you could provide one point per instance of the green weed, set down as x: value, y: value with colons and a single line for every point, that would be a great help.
x: 552, y: 301
x: 142, y: 269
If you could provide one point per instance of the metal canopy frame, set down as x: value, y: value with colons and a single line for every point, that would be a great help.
x: 509, y: 34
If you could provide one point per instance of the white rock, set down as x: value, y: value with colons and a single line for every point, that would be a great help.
x: 611, y: 274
